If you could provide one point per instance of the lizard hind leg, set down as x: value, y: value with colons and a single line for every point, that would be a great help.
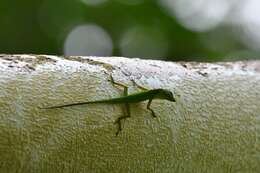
x: 119, y: 119
x: 119, y: 84
x: 126, y: 105
x: 150, y: 109
x: 139, y: 86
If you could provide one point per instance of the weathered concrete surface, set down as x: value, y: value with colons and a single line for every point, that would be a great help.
x: 213, y: 127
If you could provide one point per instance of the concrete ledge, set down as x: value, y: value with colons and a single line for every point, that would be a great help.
x: 213, y: 127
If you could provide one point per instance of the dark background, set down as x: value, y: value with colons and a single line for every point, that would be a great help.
x: 197, y: 30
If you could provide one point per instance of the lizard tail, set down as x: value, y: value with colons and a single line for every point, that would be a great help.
x: 73, y: 104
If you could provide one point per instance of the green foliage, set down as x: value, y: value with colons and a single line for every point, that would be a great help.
x: 41, y: 27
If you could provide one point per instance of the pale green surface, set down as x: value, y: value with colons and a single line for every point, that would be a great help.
x: 213, y: 127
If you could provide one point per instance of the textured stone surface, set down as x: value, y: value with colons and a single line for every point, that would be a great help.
x: 213, y: 127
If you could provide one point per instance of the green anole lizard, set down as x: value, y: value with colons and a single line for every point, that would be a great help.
x: 145, y: 94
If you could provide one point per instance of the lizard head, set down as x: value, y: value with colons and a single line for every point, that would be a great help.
x: 165, y: 94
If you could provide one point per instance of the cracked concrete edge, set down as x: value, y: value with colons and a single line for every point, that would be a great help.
x: 213, y: 126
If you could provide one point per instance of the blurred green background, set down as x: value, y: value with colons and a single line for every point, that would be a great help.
x: 201, y: 30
